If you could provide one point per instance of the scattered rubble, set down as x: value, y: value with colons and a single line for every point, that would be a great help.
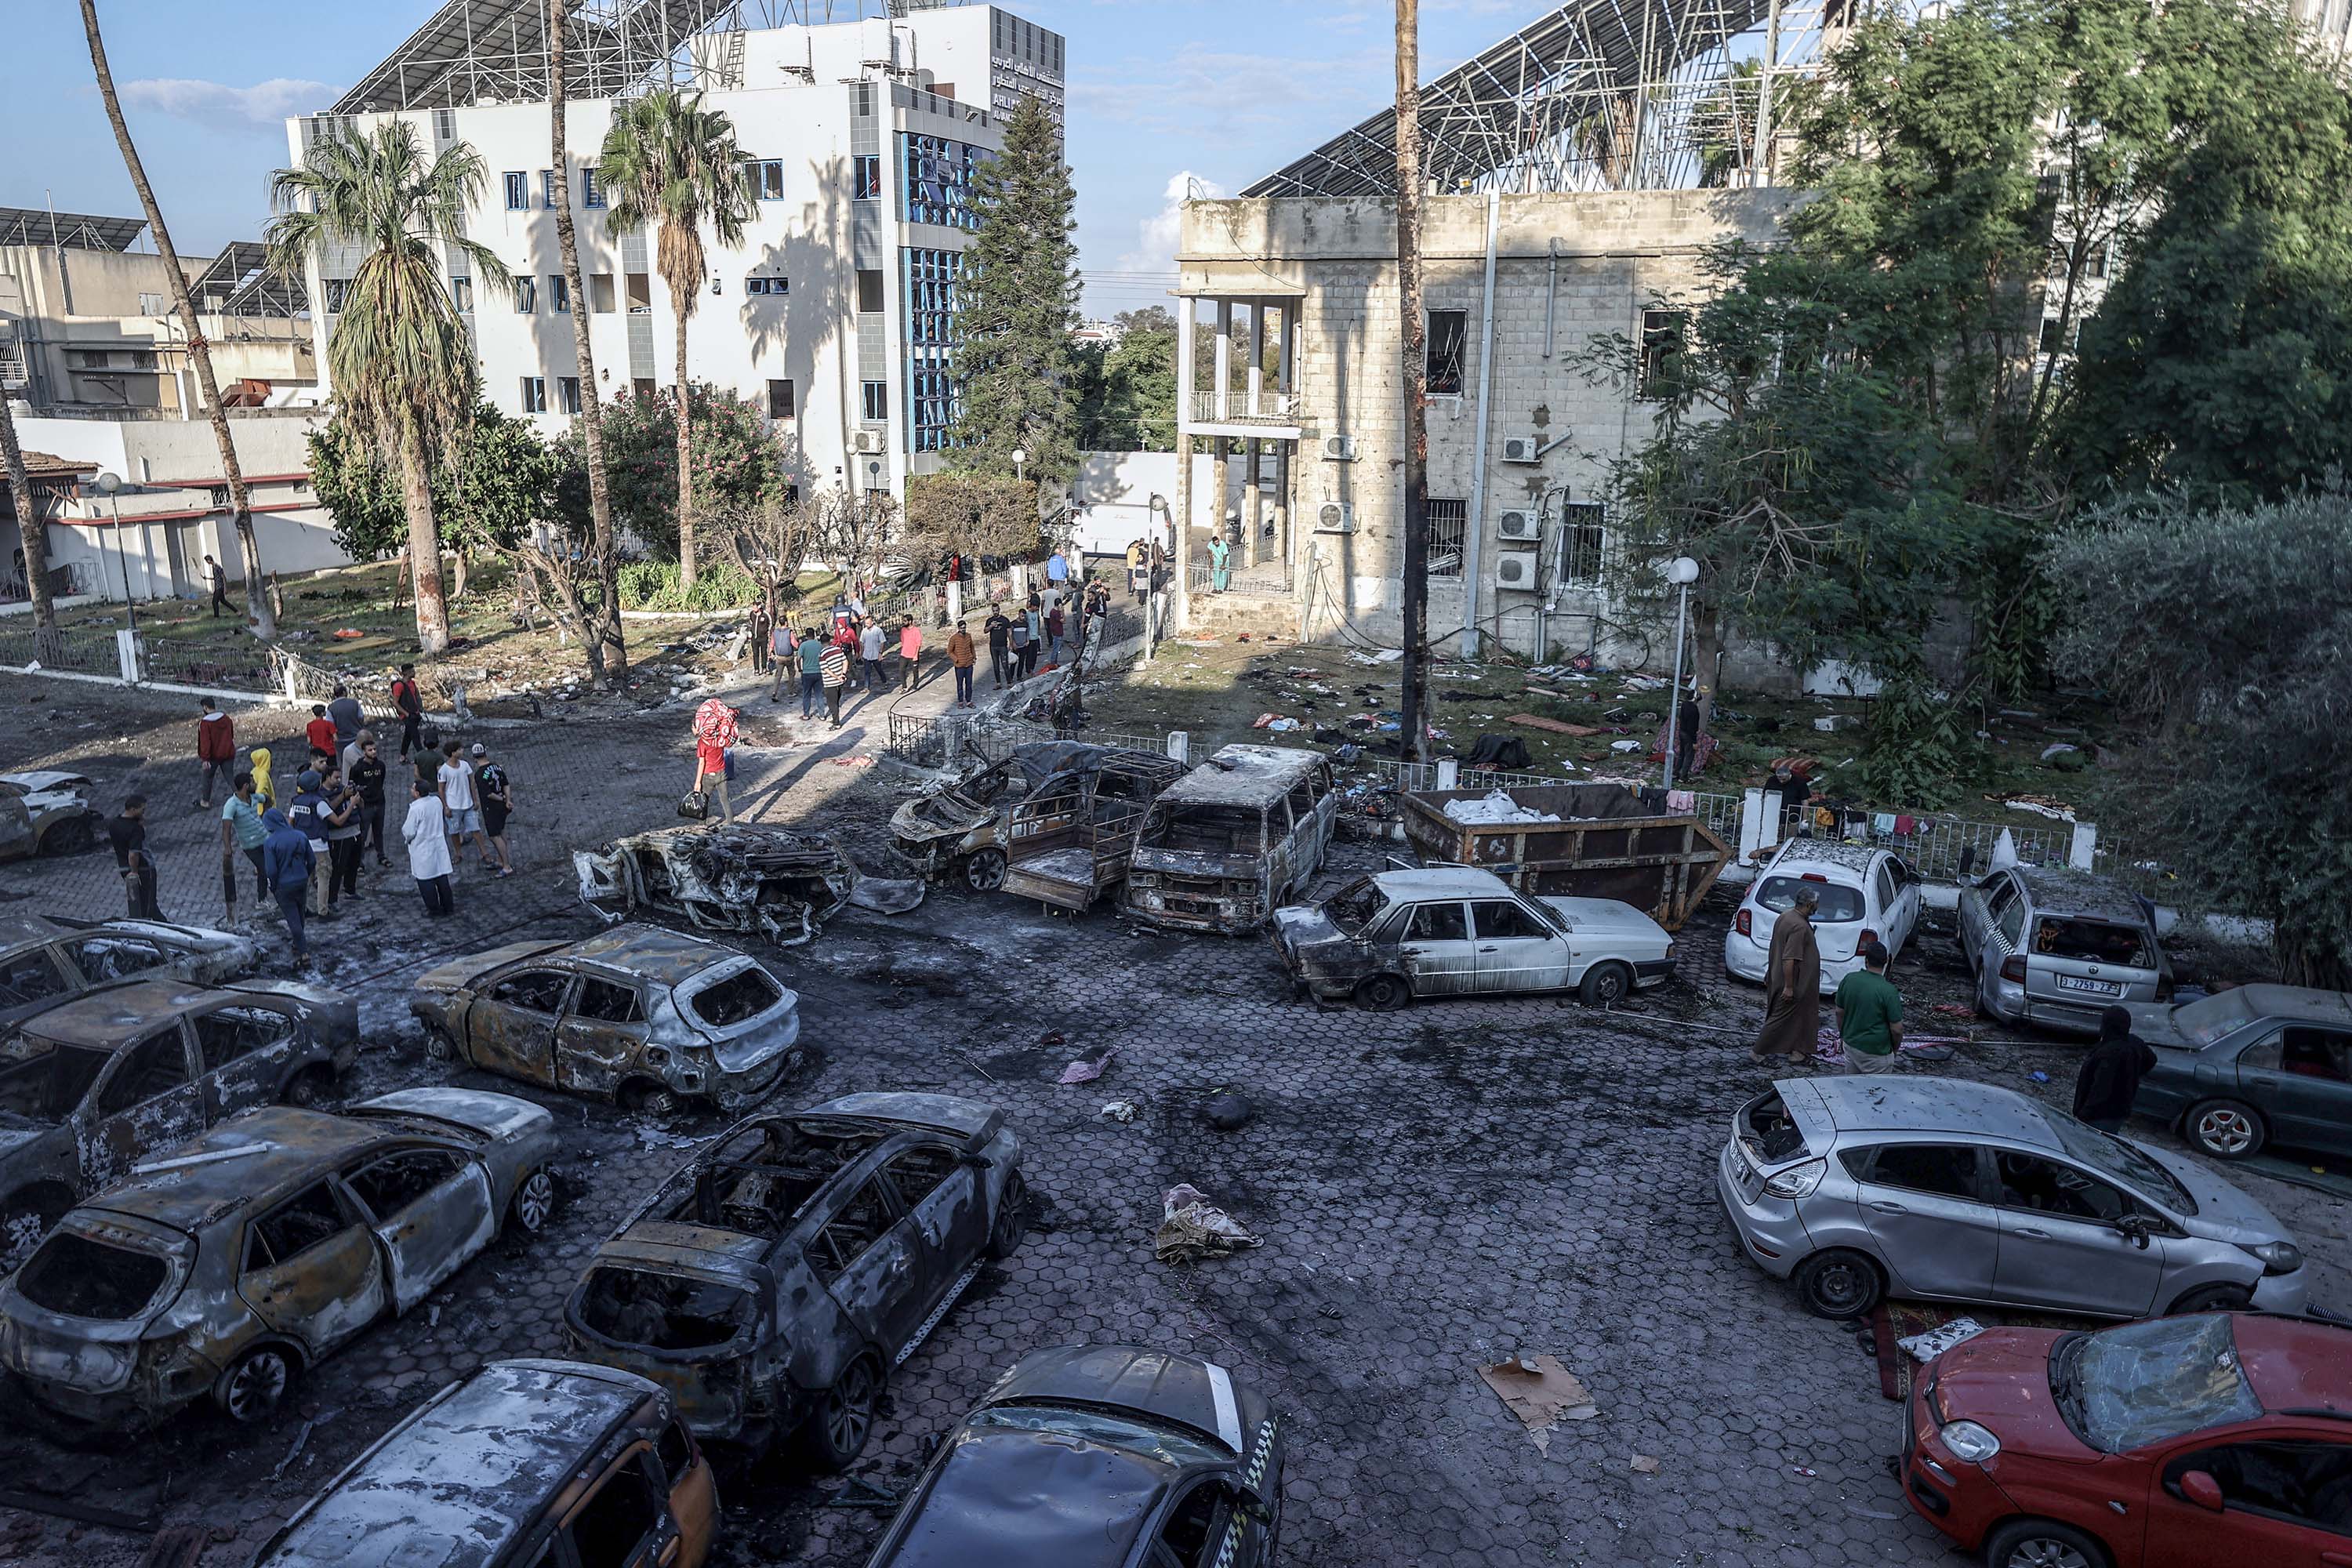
x: 1190, y: 1228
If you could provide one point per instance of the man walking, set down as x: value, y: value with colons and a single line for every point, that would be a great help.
x: 962, y: 656
x: 834, y: 667
x: 345, y: 832
x: 783, y: 657
x: 1057, y: 566
x: 812, y: 654
x: 427, y: 832
x: 1054, y: 638
x: 241, y: 833
x: 1792, y: 984
x: 1869, y: 1014
x: 344, y: 709
x: 320, y: 732
x: 461, y: 798
x: 2109, y: 1077
x: 215, y: 748
x: 366, y: 774
x: 127, y: 831
x: 286, y: 865
x: 410, y: 705
x: 309, y: 816
x: 217, y: 579
x: 869, y: 651
x: 498, y: 804
x: 1017, y: 647
x: 911, y: 653
x: 1000, y: 653
x: 714, y: 731
x: 757, y: 634
x: 1034, y: 616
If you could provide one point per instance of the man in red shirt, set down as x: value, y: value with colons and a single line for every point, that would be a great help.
x: 322, y: 732
x: 911, y: 652
x: 215, y: 750
x: 714, y: 733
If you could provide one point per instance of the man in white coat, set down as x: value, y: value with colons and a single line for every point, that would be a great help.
x: 427, y: 832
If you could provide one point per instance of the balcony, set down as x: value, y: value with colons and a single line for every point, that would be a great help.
x: 1270, y: 413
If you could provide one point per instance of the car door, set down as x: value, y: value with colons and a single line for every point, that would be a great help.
x: 1436, y: 953
x: 603, y: 1032
x: 2060, y: 1244
x: 1516, y: 949
x: 1906, y: 916
x: 311, y: 1271
x: 431, y: 1208
x: 2301, y: 1080
x: 147, y: 1101
x: 2285, y: 1502
x: 1981, y: 909
x: 624, y: 1520
x: 941, y: 1196
x: 1925, y: 1205
x: 244, y: 1052
x: 510, y: 1029
x: 871, y: 1260
x: 1193, y: 1531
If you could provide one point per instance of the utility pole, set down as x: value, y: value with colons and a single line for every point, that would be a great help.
x: 1416, y: 601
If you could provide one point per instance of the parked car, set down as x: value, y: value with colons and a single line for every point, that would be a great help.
x: 1100, y: 1455
x: 638, y: 1015
x: 45, y: 813
x: 101, y: 1080
x: 1448, y: 931
x: 2178, y: 1442
x: 2056, y: 947
x: 1867, y: 895
x: 2244, y: 1069
x: 1234, y: 840
x: 1932, y: 1187
x: 45, y: 959
x: 773, y: 1282
x: 228, y: 1268
x: 961, y: 827
x: 526, y: 1464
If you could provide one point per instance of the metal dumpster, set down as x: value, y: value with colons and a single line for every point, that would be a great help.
x: 1607, y: 846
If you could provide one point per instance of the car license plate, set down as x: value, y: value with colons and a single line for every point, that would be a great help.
x: 2095, y: 987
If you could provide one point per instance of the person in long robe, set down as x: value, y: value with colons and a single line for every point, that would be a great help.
x: 1792, y: 984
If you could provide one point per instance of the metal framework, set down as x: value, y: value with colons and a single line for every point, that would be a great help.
x: 82, y: 231
x: 1599, y: 95
x: 239, y: 282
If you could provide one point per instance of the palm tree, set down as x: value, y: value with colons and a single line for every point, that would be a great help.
x: 403, y: 372
x: 240, y: 506
x: 667, y: 161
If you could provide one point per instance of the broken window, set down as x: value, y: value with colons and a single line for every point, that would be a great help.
x: 917, y: 1172
x: 1449, y: 341
x: 1210, y: 829
x: 1438, y: 922
x: 610, y: 1528
x: 534, y: 990
x: 662, y: 1311
x: 43, y: 1081
x: 397, y: 1181
x: 294, y: 1226
x: 780, y: 398
x: 1504, y: 918
x: 1661, y: 352
x: 232, y: 1032
x: 29, y: 976
x: 1946, y: 1170
x: 608, y: 1002
x: 1192, y: 1525
x: 2092, y: 942
x: 861, y: 1222
x: 1449, y: 520
x: 1356, y: 906
x: 106, y: 957
x: 83, y: 1277
x: 738, y: 999
x: 675, y: 1451
x: 151, y: 1069
x: 2315, y: 1053
x: 1839, y: 901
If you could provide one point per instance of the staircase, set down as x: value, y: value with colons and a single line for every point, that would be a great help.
x: 1223, y: 615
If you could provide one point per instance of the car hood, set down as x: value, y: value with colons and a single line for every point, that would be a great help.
x: 1185, y: 1389
x: 46, y: 782
x: 1304, y: 925
x: 2000, y: 1379
x: 943, y: 815
x: 2223, y: 1212
x: 1608, y: 917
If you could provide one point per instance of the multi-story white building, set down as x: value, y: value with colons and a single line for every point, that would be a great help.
x: 861, y: 138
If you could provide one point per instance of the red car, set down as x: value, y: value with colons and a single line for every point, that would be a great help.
x: 2190, y: 1442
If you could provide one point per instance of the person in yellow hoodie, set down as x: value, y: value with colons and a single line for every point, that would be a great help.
x: 263, y: 793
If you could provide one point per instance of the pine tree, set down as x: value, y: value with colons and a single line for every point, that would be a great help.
x: 1018, y: 305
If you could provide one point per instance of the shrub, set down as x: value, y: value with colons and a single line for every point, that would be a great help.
x: 653, y: 585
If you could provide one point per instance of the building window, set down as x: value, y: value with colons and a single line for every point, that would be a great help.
x: 445, y: 125
x: 765, y: 177
x: 592, y: 189
x: 928, y: 282
x: 1662, y: 352
x: 931, y: 406
x: 877, y: 401
x: 767, y: 286
x: 1581, y: 538
x: 600, y: 294
x: 517, y: 192
x: 867, y: 174
x: 936, y: 186
x: 526, y: 292
x: 547, y: 189
x: 1449, y: 340
x: 643, y: 386
x: 338, y: 295
x: 869, y: 291
x: 1447, y: 521
x: 559, y: 294
x: 461, y: 295
x: 779, y: 399
x: 150, y: 304
x: 567, y: 391
x: 534, y: 395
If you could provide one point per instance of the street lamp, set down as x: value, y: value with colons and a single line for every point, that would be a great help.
x: 1019, y: 457
x: 108, y: 485
x: 1682, y: 572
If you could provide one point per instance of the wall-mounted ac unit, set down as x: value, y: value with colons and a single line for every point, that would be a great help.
x: 1522, y: 450
x: 1339, y: 449
x: 869, y: 442
x: 1336, y: 517
x: 1518, y: 571
x: 1525, y: 527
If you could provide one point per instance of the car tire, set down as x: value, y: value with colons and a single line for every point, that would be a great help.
x: 655, y: 1101
x: 256, y: 1384
x: 1012, y: 1222
x: 69, y: 837
x: 311, y: 1088
x: 1838, y: 1283
x: 438, y: 1046
x: 2212, y: 1298
x: 844, y: 1414
x: 1605, y: 985
x: 2225, y: 1129
x: 1382, y: 993
x: 2043, y: 1543
x: 533, y: 1204
x: 984, y: 870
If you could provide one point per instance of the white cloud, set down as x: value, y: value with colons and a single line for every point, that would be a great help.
x: 1156, y: 236
x: 264, y: 103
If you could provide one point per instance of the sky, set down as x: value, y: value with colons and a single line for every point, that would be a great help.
x: 1165, y: 96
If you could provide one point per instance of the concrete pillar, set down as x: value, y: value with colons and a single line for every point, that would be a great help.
x: 1224, y: 388
x: 1285, y: 472
x: 1253, y: 503
x: 1256, y: 378
x: 1180, y: 588
x: 1219, y: 481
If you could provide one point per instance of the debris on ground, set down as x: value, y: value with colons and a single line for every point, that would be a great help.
x: 1645, y: 1464
x: 1541, y: 1392
x: 1494, y: 807
x: 1119, y: 1110
x: 1928, y: 1346
x: 887, y: 895
x: 1191, y: 1229
x: 1227, y: 1111
x: 1089, y: 1068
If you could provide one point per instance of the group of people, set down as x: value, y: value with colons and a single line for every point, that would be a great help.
x: 826, y: 661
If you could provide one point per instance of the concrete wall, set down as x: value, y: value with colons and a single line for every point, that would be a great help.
x: 1112, y: 498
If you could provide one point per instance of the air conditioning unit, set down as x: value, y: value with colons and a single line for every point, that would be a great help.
x: 1522, y: 450
x: 1339, y: 449
x: 1518, y: 571
x: 869, y: 442
x: 1336, y: 517
x: 1521, y: 527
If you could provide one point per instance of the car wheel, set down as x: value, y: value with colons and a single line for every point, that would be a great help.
x: 70, y: 838
x: 1605, y: 985
x: 984, y: 870
x: 534, y: 1202
x: 1012, y: 1218
x: 438, y: 1046
x: 2225, y: 1129
x: 311, y: 1088
x: 2212, y: 1298
x: 2043, y: 1543
x: 1838, y: 1283
x: 845, y: 1417
x: 255, y: 1386
x: 656, y: 1100
x: 1382, y: 993
x: 25, y: 1218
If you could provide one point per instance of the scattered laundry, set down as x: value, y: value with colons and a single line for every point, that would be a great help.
x: 1192, y: 1227
x: 1119, y: 1110
x: 1537, y: 722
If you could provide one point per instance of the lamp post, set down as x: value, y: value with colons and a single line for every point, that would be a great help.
x: 108, y: 484
x: 1682, y: 572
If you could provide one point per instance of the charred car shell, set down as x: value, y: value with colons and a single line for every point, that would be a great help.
x: 223, y: 1270
x: 963, y: 826
x: 636, y: 1014
x: 745, y: 878
x: 44, y: 959
x: 94, y: 1084
x: 1232, y: 840
x: 492, y: 1470
x: 45, y: 813
x: 775, y: 1280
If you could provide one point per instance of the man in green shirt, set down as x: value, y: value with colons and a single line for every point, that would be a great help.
x: 1869, y: 1014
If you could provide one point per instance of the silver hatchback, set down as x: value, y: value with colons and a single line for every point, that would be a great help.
x: 1933, y: 1188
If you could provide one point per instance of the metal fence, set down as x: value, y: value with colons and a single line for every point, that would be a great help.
x: 1942, y: 849
x: 86, y: 650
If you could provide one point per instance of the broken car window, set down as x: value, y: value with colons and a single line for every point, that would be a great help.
x: 1173, y: 1446
x: 1438, y: 923
x: 2045, y: 1186
x: 2149, y: 1382
x: 1208, y: 829
x: 613, y: 1524
x: 1839, y: 902
x: 1356, y: 906
x: 1194, y: 1526
x: 663, y: 1312
x: 397, y: 1181
x: 150, y: 1069
x: 1948, y: 1170
x: 675, y: 1451
x: 737, y: 999
x: 860, y: 1223
x: 103, y: 958
x: 2315, y: 1053
x: 918, y: 1171
x: 42, y: 1081
x: 2092, y: 942
x: 294, y: 1226
x: 29, y: 976
x: 232, y: 1032
x: 608, y: 1003
x: 534, y: 990
x: 83, y: 1277
x: 1501, y: 918
x: 2307, y: 1482
x: 2106, y: 1152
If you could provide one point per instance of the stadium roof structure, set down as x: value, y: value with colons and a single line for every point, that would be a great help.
x: 82, y: 231
x: 1598, y: 95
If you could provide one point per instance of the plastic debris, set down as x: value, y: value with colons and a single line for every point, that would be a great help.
x: 1090, y: 1067
x: 1494, y: 808
x: 1119, y: 1110
x: 1928, y: 1346
x: 1191, y: 1228
x: 1645, y: 1464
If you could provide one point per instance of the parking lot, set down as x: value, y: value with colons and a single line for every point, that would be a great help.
x: 1435, y: 1188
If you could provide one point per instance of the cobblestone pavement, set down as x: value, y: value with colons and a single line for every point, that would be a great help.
x: 1434, y: 1187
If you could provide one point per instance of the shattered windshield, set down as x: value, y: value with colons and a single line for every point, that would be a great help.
x: 738, y: 999
x: 663, y: 1312
x: 1356, y: 906
x: 2146, y: 1382
x: 1170, y: 1444
x: 2209, y: 1018
x: 2092, y: 942
x: 1839, y: 902
x: 2106, y: 1152
x: 84, y: 1278
x: 1208, y: 829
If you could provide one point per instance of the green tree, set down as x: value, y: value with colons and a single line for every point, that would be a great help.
x: 403, y: 372
x: 970, y: 514
x: 672, y: 166
x: 735, y: 463
x: 1018, y: 305
x: 1126, y: 390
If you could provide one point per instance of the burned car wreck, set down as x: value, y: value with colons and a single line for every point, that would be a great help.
x: 963, y: 825
x: 45, y: 813
x: 746, y: 878
x: 225, y: 1269
x: 772, y: 1283
x: 638, y: 1015
x: 44, y: 959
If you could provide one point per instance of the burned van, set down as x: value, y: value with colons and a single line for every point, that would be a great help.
x: 963, y: 827
x: 1232, y: 840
